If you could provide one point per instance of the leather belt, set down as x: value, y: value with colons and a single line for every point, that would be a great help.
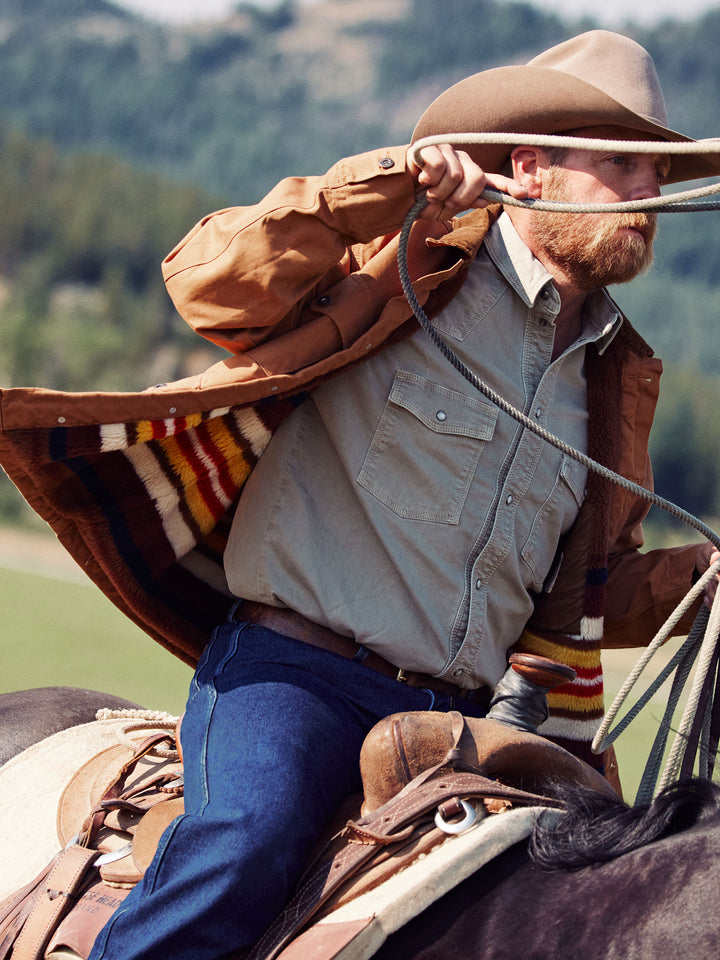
x: 291, y: 624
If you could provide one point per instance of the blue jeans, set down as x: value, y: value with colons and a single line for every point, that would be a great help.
x: 271, y: 739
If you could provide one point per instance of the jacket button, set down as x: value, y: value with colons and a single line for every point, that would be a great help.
x: 324, y: 301
x: 386, y: 163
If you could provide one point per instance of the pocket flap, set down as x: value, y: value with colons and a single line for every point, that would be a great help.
x: 575, y: 476
x: 443, y: 410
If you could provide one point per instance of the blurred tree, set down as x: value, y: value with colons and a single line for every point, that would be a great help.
x: 685, y: 443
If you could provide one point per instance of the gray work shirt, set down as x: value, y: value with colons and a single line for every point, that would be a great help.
x: 398, y: 506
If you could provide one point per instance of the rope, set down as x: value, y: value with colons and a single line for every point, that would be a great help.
x: 682, y: 147
x: 703, y: 637
x: 669, y: 203
x: 142, y: 721
x: 518, y: 415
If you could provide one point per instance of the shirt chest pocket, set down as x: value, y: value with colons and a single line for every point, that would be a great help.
x: 426, y: 448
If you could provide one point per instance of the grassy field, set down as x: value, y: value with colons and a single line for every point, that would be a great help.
x: 57, y: 633
x: 64, y: 632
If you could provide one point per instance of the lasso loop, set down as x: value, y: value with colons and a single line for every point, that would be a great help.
x: 682, y: 201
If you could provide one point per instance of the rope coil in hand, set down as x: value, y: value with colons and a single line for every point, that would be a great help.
x: 668, y: 203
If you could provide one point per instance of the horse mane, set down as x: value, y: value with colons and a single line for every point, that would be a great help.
x: 596, y: 828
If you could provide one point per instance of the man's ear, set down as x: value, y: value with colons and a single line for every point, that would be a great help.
x: 528, y: 169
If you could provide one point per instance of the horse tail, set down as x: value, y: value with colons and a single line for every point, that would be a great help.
x: 596, y: 828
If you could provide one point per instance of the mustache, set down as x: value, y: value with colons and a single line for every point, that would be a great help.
x: 644, y: 223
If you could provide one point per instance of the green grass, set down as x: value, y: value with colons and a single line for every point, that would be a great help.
x: 633, y: 745
x: 57, y: 633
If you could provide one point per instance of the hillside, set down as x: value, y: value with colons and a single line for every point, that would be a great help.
x: 234, y: 106
x: 117, y: 133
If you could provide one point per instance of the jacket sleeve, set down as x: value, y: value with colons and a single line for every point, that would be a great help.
x: 643, y: 590
x: 242, y: 274
x: 644, y: 587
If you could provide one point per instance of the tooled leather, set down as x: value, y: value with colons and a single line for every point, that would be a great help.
x: 476, y: 745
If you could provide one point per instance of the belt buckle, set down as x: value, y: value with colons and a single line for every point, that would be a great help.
x: 401, y: 676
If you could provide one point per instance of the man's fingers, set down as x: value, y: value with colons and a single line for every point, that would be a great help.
x: 442, y: 173
x: 454, y: 182
x: 507, y: 185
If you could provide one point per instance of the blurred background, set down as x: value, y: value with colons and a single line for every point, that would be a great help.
x: 122, y: 124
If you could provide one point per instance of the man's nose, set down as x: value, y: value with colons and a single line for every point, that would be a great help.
x: 647, y: 184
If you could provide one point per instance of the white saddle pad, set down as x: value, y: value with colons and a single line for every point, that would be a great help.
x: 31, y: 785
x: 364, y: 924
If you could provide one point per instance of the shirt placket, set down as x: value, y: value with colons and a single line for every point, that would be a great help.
x: 499, y: 535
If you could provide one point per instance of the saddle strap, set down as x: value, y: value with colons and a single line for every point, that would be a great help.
x: 114, y: 790
x: 391, y: 823
x: 14, y: 910
x: 55, y: 896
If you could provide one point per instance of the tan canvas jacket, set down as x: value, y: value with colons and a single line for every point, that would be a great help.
x: 140, y: 486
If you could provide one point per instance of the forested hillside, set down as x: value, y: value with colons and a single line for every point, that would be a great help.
x: 117, y: 133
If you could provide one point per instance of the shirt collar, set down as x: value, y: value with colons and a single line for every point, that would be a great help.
x: 528, y: 277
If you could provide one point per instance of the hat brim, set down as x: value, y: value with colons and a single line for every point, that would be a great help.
x: 526, y: 99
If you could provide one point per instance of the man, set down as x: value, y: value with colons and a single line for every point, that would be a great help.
x: 399, y: 535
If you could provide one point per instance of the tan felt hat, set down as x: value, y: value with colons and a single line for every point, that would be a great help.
x: 599, y: 78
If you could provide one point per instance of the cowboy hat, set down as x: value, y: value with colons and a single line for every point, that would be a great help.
x: 596, y: 79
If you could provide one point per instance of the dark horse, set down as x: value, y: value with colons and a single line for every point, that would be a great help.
x: 609, y: 883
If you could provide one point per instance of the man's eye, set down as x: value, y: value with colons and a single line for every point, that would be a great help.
x: 619, y: 161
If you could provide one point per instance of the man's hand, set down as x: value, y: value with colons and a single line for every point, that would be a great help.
x: 454, y: 182
x: 707, y: 556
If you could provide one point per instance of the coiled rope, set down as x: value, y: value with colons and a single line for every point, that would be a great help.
x: 678, y: 202
x: 702, y: 642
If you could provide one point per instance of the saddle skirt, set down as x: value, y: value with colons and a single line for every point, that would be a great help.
x: 418, y: 770
x: 110, y: 817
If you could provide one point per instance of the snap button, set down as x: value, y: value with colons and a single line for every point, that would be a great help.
x: 509, y: 499
x: 459, y: 672
x: 538, y: 412
x: 386, y: 163
x: 478, y: 583
x: 441, y: 416
x: 325, y: 300
x: 61, y: 419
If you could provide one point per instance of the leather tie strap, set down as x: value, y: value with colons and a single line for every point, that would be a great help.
x: 58, y: 893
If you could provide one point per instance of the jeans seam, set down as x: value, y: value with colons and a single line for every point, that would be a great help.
x: 213, y: 695
x: 152, y: 870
